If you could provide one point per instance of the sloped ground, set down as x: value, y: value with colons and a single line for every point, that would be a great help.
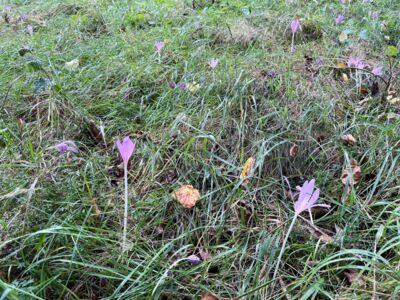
x: 72, y: 69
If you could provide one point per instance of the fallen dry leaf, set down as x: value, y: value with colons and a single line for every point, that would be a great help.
x: 349, y: 139
x: 341, y: 66
x: 345, y: 78
x: 247, y: 169
x: 72, y: 65
x: 187, y: 195
x: 208, y: 296
x: 293, y: 150
x: 343, y: 37
x: 96, y: 209
x: 353, y: 277
x: 204, y: 254
x: 354, y: 171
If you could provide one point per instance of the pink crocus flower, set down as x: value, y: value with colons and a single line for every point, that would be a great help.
x: 339, y: 19
x: 375, y: 15
x: 355, y: 62
x: 67, y: 146
x: 126, y: 149
x: 213, y: 63
x: 377, y: 71
x: 193, y: 259
x: 307, y: 198
x: 159, y: 45
x: 295, y: 25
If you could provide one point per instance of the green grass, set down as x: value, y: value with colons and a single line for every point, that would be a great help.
x: 259, y: 101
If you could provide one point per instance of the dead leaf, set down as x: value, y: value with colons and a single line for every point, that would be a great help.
x: 208, y: 296
x: 341, y: 66
x: 353, y: 277
x: 345, y: 78
x: 187, y: 195
x: 343, y: 37
x: 204, y: 254
x: 96, y: 209
x: 96, y: 132
x: 72, y: 65
x: 349, y: 139
x: 354, y: 171
x: 293, y: 150
x: 248, y: 168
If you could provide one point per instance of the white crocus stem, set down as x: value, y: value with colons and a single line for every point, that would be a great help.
x: 283, y: 249
x: 292, y: 48
x: 124, y: 245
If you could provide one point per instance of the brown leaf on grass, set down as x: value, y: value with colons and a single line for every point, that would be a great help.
x: 354, y: 278
x: 187, y: 195
x: 293, y: 150
x: 208, y: 296
x: 343, y: 36
x: 341, y: 66
x: 352, y: 173
x: 204, y: 254
x: 248, y: 168
x: 96, y: 132
x: 96, y: 209
x: 349, y: 139
x: 345, y: 78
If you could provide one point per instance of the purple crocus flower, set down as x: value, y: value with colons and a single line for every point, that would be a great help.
x: 159, y: 45
x: 193, y: 259
x: 375, y: 15
x: 355, y: 62
x: 307, y: 198
x: 29, y: 29
x: 377, y: 71
x: 126, y: 149
x: 213, y: 63
x: 339, y: 19
x: 67, y: 146
x: 295, y: 25
x: 182, y: 85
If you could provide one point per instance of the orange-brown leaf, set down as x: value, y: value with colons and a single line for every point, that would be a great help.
x: 293, y: 150
x: 208, y: 296
x: 341, y: 66
x: 96, y: 209
x: 187, y: 196
x: 248, y: 167
x: 349, y: 139
x: 352, y: 173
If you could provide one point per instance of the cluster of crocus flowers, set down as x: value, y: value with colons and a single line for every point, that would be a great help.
x: 126, y: 148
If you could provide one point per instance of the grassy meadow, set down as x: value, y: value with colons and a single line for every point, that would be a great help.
x: 231, y: 82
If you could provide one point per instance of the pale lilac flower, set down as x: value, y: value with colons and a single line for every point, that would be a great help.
x: 67, y: 146
x: 339, y: 19
x: 375, y: 15
x: 307, y: 198
x: 182, y: 85
x: 159, y: 45
x: 377, y: 71
x: 193, y: 259
x: 29, y: 29
x: 355, y: 62
x: 126, y: 149
x: 213, y: 63
x: 295, y: 25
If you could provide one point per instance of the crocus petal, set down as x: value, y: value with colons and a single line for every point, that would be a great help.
x: 126, y: 149
x: 294, y: 25
x: 193, y: 259
x: 339, y: 19
x: 313, y: 198
x: 377, y: 71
